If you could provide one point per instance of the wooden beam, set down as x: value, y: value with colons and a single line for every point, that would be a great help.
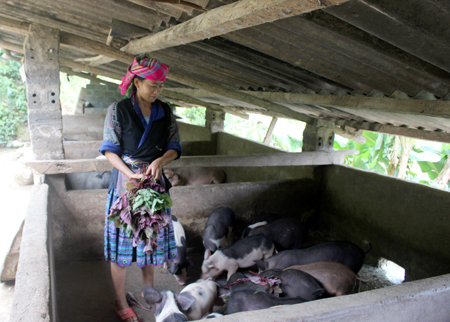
x: 10, y: 46
x: 240, y: 96
x: 70, y: 65
x: 95, y: 61
x: 395, y: 130
x: 67, y: 39
x: 181, y: 2
x: 14, y: 26
x: 89, y: 69
x: 347, y: 132
x: 53, y: 23
x: 7, y: 55
x: 435, y: 108
x: 226, y: 19
x: 92, y: 78
x: 99, y: 59
x: 269, y: 133
x: 192, y: 100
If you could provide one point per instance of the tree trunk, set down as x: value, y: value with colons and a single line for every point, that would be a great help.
x: 407, y: 144
x: 393, y: 163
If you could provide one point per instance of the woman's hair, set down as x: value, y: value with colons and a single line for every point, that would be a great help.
x: 140, y: 79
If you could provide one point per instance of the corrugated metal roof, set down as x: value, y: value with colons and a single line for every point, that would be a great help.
x: 364, y: 48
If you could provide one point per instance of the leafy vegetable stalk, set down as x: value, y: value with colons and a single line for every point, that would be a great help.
x: 141, y: 212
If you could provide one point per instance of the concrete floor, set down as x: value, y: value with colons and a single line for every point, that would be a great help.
x: 14, y: 201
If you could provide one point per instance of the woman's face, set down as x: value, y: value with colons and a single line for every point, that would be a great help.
x: 148, y: 90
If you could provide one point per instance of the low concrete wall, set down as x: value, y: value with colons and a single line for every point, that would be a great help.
x: 191, y: 133
x: 74, y: 150
x: 249, y: 200
x: 229, y: 144
x: 407, y: 223
x: 197, y: 148
x: 32, y: 292
x: 78, y: 226
x: 394, y: 215
x: 78, y: 221
x: 83, y: 127
x: 424, y: 300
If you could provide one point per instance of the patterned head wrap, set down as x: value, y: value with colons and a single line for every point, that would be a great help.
x: 145, y: 67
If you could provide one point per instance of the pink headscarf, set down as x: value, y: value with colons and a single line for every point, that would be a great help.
x: 145, y: 67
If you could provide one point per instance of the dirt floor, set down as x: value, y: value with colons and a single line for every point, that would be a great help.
x: 85, y: 292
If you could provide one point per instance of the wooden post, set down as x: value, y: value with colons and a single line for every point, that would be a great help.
x: 269, y: 133
x: 41, y: 48
x: 319, y: 136
x: 215, y: 120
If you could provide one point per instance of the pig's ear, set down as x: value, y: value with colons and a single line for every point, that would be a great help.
x: 210, y: 264
x: 185, y: 301
x: 151, y: 295
x: 262, y: 265
x: 207, y: 253
x: 168, y: 173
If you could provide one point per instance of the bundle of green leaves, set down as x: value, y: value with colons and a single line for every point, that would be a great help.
x: 141, y: 212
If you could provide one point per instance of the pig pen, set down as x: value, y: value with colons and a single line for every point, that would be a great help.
x: 63, y: 277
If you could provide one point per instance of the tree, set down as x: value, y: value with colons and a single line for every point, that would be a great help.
x: 13, y: 107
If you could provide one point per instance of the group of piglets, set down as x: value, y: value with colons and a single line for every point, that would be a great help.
x: 286, y: 274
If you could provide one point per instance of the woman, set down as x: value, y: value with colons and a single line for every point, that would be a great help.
x: 139, y: 130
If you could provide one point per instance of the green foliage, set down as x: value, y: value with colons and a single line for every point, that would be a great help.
x: 13, y: 107
x: 287, y: 143
x: 425, y: 158
x: 252, y: 130
x: 374, y: 155
x: 195, y: 115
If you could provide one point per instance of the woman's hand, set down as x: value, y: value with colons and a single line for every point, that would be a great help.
x: 136, y: 176
x: 155, y: 169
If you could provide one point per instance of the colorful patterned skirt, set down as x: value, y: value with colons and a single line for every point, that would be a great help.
x: 119, y: 248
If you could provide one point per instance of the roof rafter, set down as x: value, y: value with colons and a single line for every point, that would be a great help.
x: 225, y: 19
